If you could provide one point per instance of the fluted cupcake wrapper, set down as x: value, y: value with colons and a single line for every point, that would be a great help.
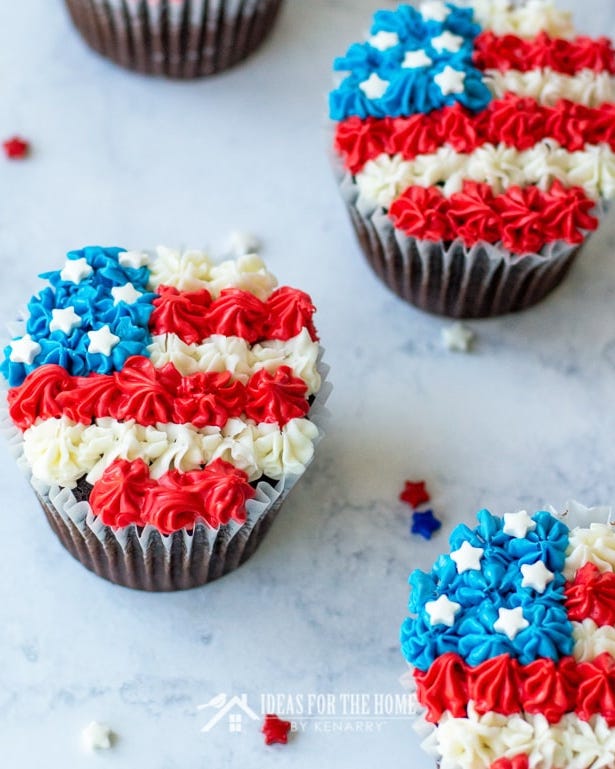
x: 175, y: 38
x: 450, y: 278
x: 145, y: 559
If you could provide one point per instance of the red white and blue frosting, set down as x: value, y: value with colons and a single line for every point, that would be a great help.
x: 489, y: 122
x: 169, y: 383
x: 512, y: 645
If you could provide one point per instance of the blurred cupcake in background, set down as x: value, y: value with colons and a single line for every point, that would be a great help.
x: 175, y: 38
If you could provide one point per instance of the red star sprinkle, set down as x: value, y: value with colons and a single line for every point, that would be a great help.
x: 275, y: 730
x: 414, y: 493
x: 16, y: 148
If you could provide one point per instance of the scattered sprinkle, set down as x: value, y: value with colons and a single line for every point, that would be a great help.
x: 425, y: 524
x: 414, y: 493
x: 275, y: 730
x: 242, y: 243
x: 97, y: 736
x: 458, y: 338
x: 16, y: 148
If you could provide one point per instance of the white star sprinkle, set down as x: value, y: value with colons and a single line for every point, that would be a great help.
x: 518, y: 524
x: 447, y: 42
x: 242, y: 243
x: 65, y: 320
x: 126, y: 293
x: 450, y: 80
x: 442, y: 611
x: 416, y: 59
x: 458, y: 338
x: 24, y: 350
x: 374, y: 87
x: 467, y: 558
x: 384, y: 40
x: 75, y: 270
x: 134, y: 259
x: 102, y: 341
x: 97, y: 736
x: 510, y: 622
x: 536, y: 575
x: 434, y: 10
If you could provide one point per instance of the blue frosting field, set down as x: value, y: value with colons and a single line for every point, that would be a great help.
x: 410, y: 91
x: 93, y: 301
x: 481, y: 593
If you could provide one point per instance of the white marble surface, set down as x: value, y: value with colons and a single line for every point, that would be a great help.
x: 526, y: 420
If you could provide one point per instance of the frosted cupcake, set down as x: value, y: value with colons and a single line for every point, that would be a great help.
x: 512, y: 645
x: 176, y: 38
x: 475, y: 150
x: 163, y: 406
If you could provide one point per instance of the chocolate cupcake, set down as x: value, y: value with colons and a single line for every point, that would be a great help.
x: 163, y: 406
x: 474, y: 146
x: 512, y: 645
x: 176, y: 38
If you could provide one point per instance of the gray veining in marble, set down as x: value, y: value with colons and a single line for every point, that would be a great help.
x: 526, y: 420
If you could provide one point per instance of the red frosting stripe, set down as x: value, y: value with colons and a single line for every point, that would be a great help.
x: 591, y: 596
x: 193, y: 316
x: 565, y: 56
x: 520, y: 761
x: 149, y: 395
x: 516, y: 121
x: 126, y: 494
x: 503, y: 686
x: 523, y: 219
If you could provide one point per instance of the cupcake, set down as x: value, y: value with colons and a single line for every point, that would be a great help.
x: 474, y: 147
x: 512, y: 645
x: 176, y: 38
x: 163, y: 406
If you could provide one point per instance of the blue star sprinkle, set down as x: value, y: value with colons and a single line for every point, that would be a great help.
x: 425, y: 524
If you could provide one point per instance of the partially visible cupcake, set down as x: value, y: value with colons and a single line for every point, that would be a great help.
x: 475, y: 143
x: 176, y: 38
x: 512, y: 645
x: 163, y: 406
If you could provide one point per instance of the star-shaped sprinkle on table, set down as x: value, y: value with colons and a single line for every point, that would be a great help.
x: 414, y: 493
x: 24, y: 350
x: 275, y: 729
x: 425, y: 524
x: 458, y: 338
x: 97, y: 736
x: 467, y: 558
x: 510, y: 622
x: 442, y: 611
x: 16, y: 148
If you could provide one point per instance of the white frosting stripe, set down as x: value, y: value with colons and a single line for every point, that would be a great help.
x: 229, y: 353
x: 526, y: 20
x: 593, y: 545
x: 60, y: 451
x: 195, y: 270
x: 590, y: 641
x: 478, y: 741
x: 383, y: 179
x: 547, y: 87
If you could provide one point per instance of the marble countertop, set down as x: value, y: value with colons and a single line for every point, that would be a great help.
x: 526, y: 420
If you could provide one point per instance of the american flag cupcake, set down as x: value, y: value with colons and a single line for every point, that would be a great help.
x: 475, y: 146
x: 512, y: 645
x: 163, y: 405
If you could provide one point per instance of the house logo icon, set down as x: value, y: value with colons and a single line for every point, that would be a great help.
x: 234, y: 709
